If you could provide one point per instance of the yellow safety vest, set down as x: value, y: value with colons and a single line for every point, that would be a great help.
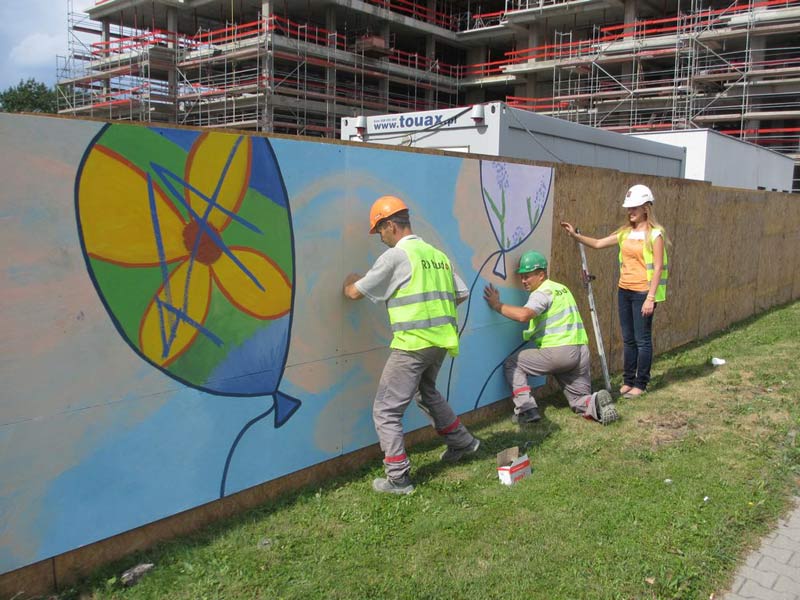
x: 647, y: 249
x: 423, y: 313
x: 559, y: 325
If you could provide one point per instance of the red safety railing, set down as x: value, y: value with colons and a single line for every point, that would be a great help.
x: 318, y: 36
x: 307, y: 32
x: 761, y: 131
x: 418, y: 61
x: 489, y: 19
x: 781, y: 139
x: 536, y: 104
x: 552, y: 51
x: 121, y: 97
x: 223, y: 35
x: 134, y: 43
x: 286, y: 27
x: 419, y: 12
x: 484, y: 69
x: 639, y: 127
x: 636, y: 29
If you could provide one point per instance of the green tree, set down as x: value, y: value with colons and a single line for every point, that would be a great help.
x: 29, y: 96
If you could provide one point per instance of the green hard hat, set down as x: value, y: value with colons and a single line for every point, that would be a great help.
x: 531, y: 261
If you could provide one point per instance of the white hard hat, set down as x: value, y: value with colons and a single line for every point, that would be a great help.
x: 638, y: 195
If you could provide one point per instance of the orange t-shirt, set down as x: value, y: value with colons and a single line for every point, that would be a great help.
x: 633, y: 272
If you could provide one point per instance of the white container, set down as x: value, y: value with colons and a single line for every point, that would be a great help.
x: 511, y: 467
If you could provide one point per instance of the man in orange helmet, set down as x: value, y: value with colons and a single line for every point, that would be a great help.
x: 421, y: 293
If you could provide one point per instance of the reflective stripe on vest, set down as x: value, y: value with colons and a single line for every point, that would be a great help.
x: 424, y: 296
x: 423, y: 313
x: 647, y: 251
x: 424, y: 323
x: 559, y: 325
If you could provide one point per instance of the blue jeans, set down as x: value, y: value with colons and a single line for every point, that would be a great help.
x: 637, y: 338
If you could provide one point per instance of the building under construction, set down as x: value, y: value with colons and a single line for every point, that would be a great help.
x: 298, y: 67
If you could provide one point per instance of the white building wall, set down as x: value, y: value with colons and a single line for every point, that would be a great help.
x: 728, y: 162
x: 451, y: 129
x: 515, y: 133
x: 537, y: 137
x: 695, y: 143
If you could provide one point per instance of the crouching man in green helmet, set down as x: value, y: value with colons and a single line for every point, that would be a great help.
x: 560, y: 345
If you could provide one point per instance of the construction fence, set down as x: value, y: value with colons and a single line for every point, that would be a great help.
x: 176, y: 345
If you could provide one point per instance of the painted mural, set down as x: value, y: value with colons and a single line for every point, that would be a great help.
x: 174, y: 329
x: 514, y: 199
x: 187, y: 238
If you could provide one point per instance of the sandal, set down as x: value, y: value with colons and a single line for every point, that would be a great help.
x: 625, y: 389
x: 635, y: 393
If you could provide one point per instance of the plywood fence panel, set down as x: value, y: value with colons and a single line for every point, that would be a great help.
x: 791, y: 221
x: 590, y: 199
x: 685, y: 218
x: 707, y: 280
x: 792, y: 238
x: 777, y: 268
x: 743, y: 217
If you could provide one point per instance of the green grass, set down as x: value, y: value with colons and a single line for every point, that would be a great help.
x: 598, y: 518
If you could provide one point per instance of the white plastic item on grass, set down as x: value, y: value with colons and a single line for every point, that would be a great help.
x: 718, y: 362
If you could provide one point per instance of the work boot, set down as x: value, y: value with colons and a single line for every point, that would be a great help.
x: 387, y: 485
x: 604, y: 405
x: 527, y: 416
x: 452, y: 455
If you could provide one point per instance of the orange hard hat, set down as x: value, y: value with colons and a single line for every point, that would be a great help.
x: 384, y: 207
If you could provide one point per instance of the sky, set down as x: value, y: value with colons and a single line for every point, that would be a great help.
x: 32, y: 34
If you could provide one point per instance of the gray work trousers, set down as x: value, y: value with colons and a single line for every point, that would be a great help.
x: 570, y: 365
x: 407, y: 375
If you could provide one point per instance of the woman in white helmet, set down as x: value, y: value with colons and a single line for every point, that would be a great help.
x: 643, y: 275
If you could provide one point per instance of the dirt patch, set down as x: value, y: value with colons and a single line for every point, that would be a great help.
x: 663, y: 429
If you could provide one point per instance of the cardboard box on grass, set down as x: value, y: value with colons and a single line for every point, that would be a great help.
x: 511, y: 467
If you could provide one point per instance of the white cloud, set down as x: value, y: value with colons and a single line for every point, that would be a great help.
x: 38, y: 50
x: 32, y: 34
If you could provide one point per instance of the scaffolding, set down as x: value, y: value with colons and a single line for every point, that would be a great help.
x: 698, y: 69
x: 126, y: 74
x: 706, y: 67
x: 268, y: 74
